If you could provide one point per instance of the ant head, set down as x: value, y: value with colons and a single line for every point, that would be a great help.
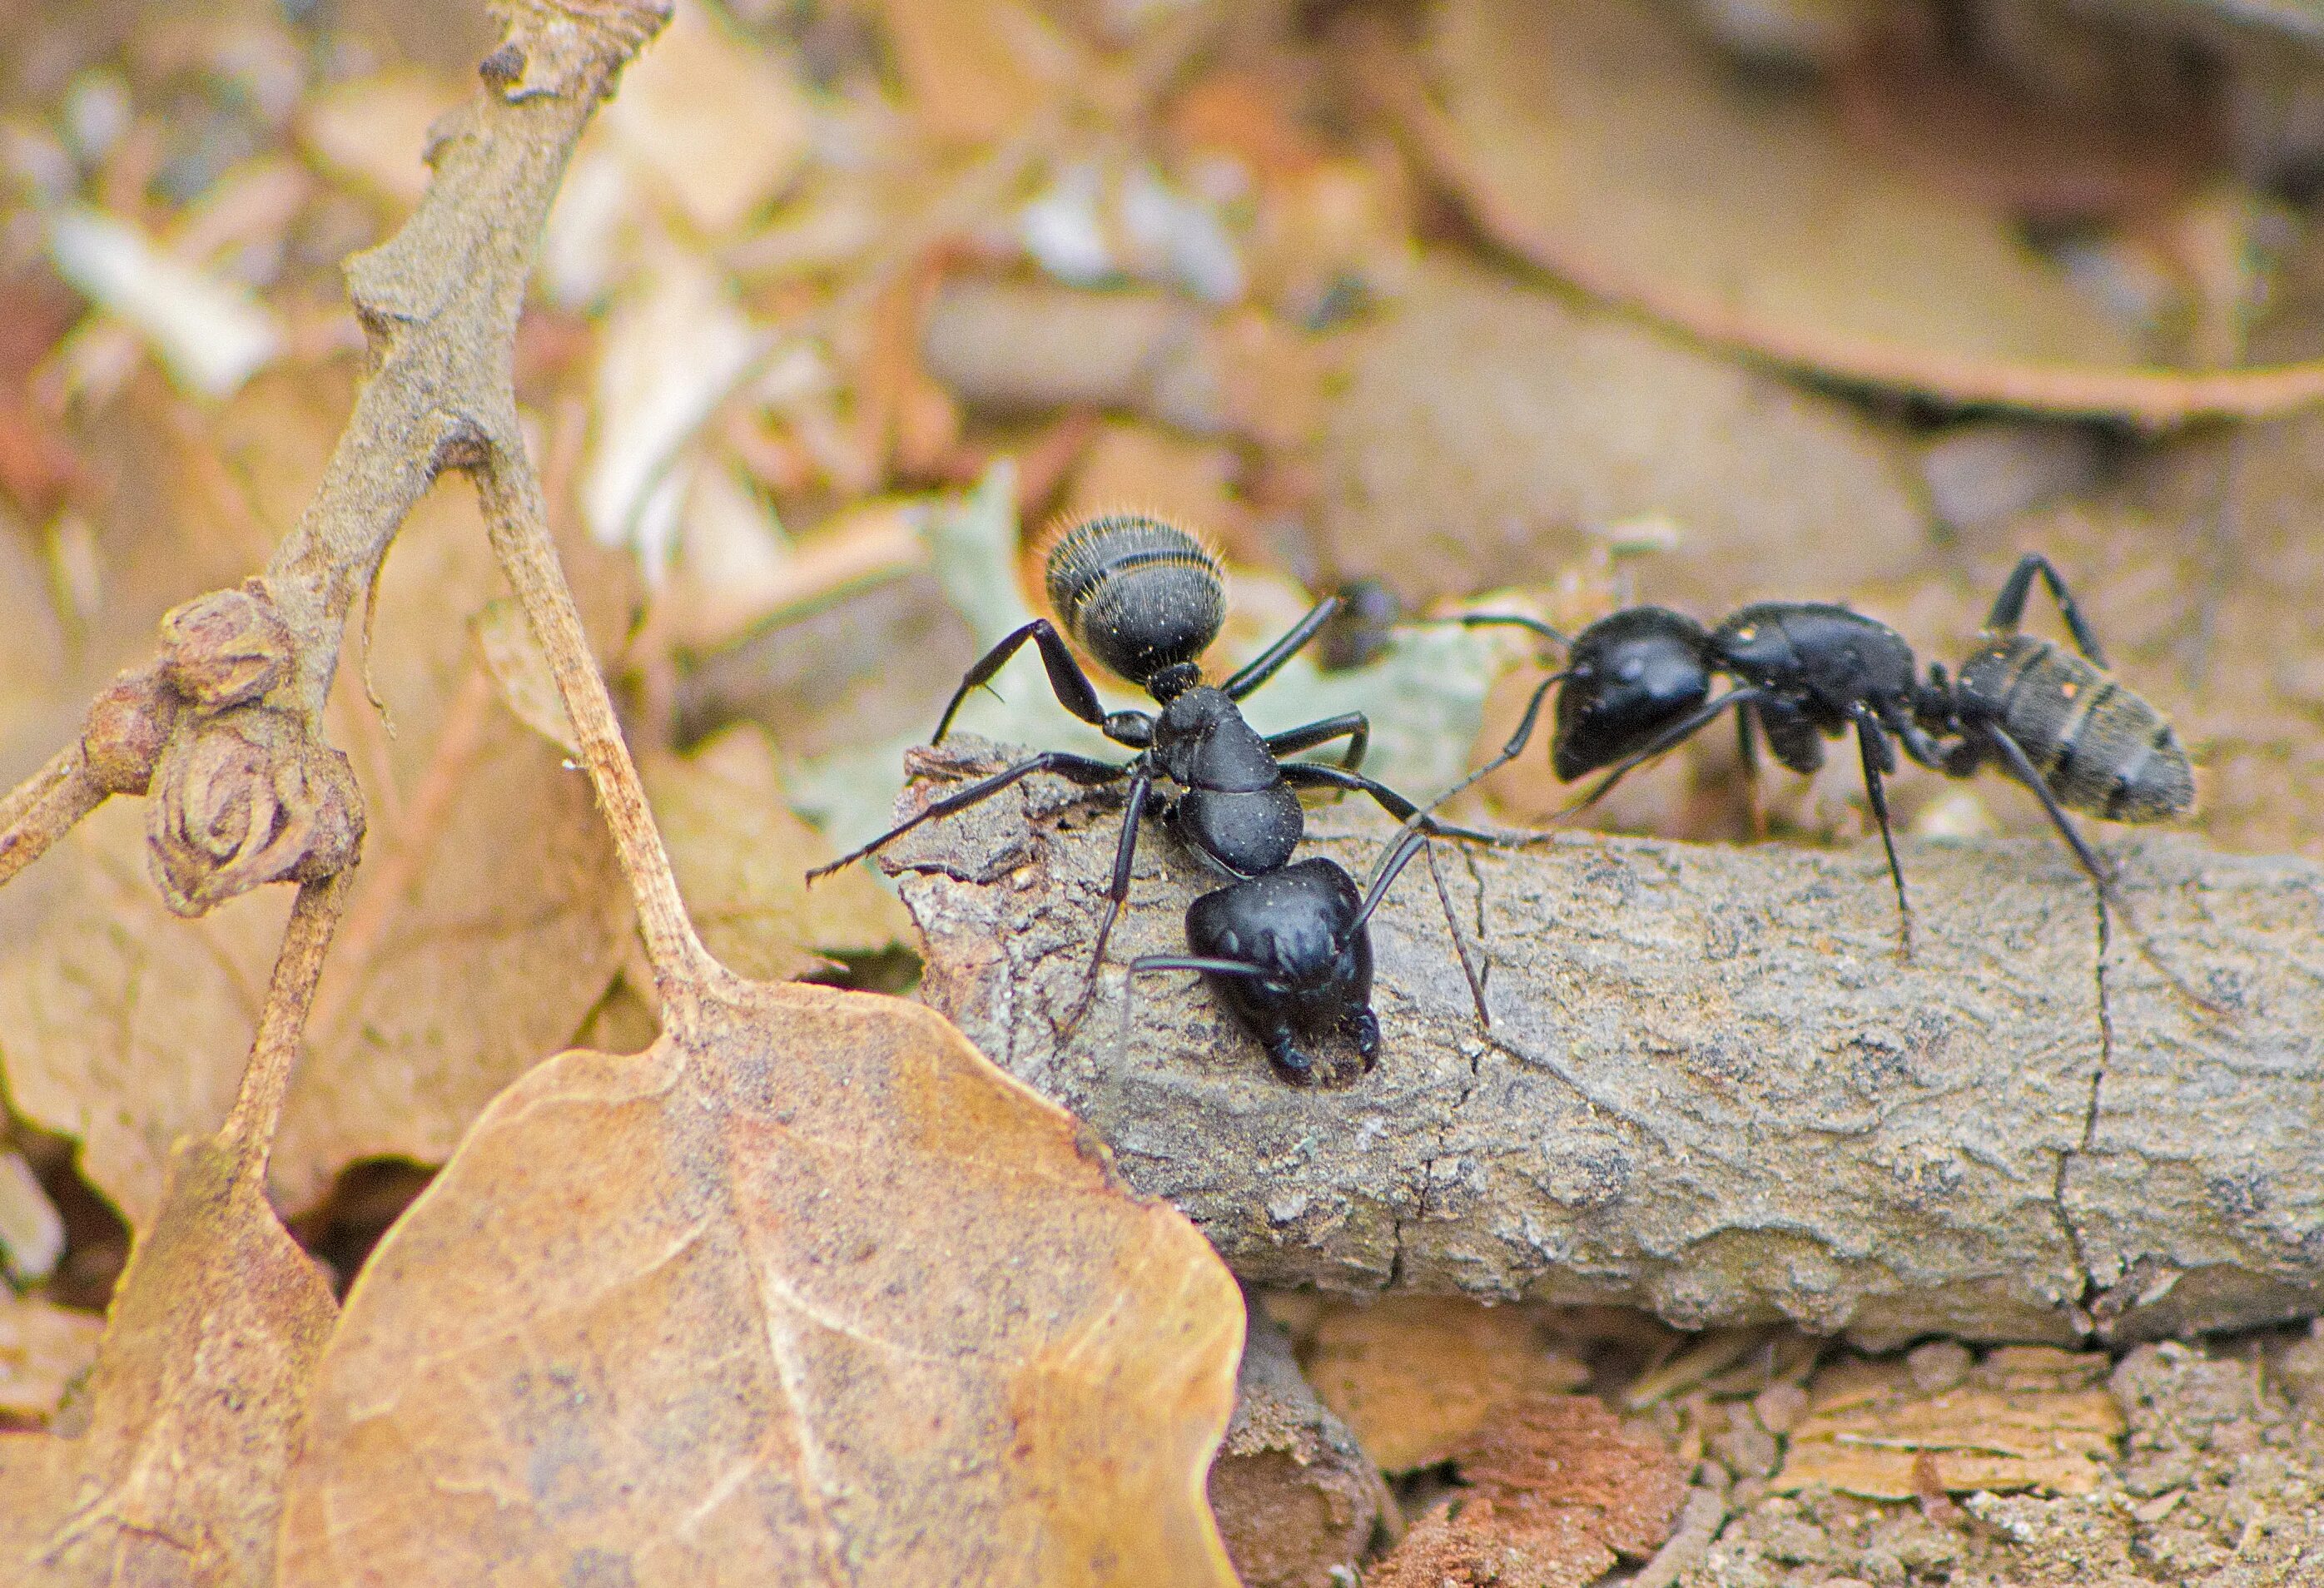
x: 1298, y: 929
x: 1628, y: 677
x: 1143, y: 597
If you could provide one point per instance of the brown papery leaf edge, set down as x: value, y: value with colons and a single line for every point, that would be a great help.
x: 2151, y: 398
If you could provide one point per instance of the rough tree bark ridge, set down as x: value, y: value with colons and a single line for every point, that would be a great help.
x: 1711, y: 1087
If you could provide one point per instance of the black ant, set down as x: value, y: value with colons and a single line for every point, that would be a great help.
x: 1637, y: 682
x: 1146, y: 598
x: 1291, y: 953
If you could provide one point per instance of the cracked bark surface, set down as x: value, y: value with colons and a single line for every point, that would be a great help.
x: 1711, y: 1087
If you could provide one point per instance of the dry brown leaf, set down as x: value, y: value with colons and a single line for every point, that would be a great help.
x: 969, y: 66
x: 43, y: 1348
x: 1600, y: 141
x: 719, y: 124
x: 809, y: 1292
x: 1557, y: 1491
x: 1416, y: 1376
x: 742, y: 858
x: 168, y: 1469
x: 1492, y: 433
x: 372, y: 129
x: 484, y: 924
x: 1142, y: 467
x: 2028, y: 1418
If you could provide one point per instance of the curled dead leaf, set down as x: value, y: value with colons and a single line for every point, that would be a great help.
x: 808, y: 1291
x: 1598, y: 142
x: 247, y: 799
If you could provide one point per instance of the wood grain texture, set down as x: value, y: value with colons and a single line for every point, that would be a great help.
x: 1711, y: 1087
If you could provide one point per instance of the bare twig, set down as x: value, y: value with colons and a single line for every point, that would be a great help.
x: 283, y: 1023
x: 228, y: 731
x: 1697, y: 1526
x: 1709, y: 1086
x: 44, y: 808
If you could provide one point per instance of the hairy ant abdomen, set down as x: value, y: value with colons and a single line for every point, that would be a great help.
x: 1142, y: 597
x: 2098, y: 747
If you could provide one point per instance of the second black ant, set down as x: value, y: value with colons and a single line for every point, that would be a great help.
x: 1637, y: 683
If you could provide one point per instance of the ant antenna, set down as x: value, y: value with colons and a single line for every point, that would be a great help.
x: 1489, y: 620
x: 1412, y: 842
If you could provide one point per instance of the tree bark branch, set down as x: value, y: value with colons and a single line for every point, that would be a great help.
x: 1711, y: 1087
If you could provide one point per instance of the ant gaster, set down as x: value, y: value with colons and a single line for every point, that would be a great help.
x: 1146, y: 598
x: 1637, y: 682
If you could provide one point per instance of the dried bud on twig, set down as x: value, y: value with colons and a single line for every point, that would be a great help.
x: 226, y: 648
x: 246, y: 799
x: 127, y: 725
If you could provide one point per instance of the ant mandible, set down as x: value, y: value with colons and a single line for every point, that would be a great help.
x: 1146, y: 598
x: 1637, y: 683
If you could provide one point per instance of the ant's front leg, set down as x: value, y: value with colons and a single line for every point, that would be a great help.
x: 1125, y: 850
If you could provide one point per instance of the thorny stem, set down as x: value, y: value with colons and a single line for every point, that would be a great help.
x: 44, y: 808
x: 249, y: 1130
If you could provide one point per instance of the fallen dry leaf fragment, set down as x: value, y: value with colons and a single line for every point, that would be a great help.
x: 1558, y: 1491
x: 1418, y: 1377
x: 808, y: 1292
x: 1492, y: 433
x: 1616, y: 158
x: 742, y: 858
x: 2026, y: 1418
x: 718, y: 122
x: 168, y: 1469
x: 43, y: 1347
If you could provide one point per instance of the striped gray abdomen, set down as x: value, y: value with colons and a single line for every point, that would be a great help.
x: 2100, y: 748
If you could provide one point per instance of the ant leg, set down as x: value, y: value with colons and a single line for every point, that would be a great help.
x: 1308, y: 774
x: 1879, y: 756
x: 1081, y: 769
x: 1269, y: 662
x: 1746, y: 747
x: 1125, y: 850
x: 1067, y: 682
x: 1353, y: 726
x: 2021, y: 766
x: 1413, y: 841
x: 1509, y: 752
x: 1668, y: 740
x: 1280, y: 1043
x: 1460, y: 946
x: 2010, y: 606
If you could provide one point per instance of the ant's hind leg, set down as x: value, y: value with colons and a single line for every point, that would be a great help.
x: 1308, y: 774
x: 1067, y: 682
x: 2021, y: 766
x: 1269, y: 662
x: 2010, y: 606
